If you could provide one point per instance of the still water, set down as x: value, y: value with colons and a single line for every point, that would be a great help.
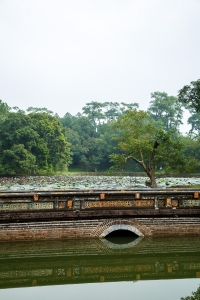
x: 141, y: 268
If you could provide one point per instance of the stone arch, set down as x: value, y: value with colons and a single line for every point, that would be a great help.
x: 121, y: 227
x: 105, y: 226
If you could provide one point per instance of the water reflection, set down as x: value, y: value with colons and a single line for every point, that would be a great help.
x: 84, y: 261
x: 121, y: 239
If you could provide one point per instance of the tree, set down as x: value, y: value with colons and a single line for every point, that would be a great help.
x: 80, y: 131
x: 189, y: 95
x: 98, y: 112
x: 194, y: 296
x: 78, y: 149
x: 194, y: 121
x: 128, y: 106
x: 39, y: 110
x: 18, y: 160
x: 91, y: 145
x: 166, y: 110
x: 93, y: 111
x: 191, y: 150
x: 113, y: 110
x: 146, y: 144
x: 52, y: 138
x: 4, y: 109
x: 32, y: 143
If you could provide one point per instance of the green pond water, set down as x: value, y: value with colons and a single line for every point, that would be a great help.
x: 118, y: 268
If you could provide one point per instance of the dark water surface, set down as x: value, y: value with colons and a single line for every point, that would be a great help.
x: 129, y: 268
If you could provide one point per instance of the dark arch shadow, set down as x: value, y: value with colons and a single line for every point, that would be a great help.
x: 121, y: 239
x: 123, y: 227
x: 122, y: 233
x: 121, y: 236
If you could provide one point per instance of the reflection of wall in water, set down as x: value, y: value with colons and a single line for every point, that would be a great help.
x: 93, y: 247
x: 96, y: 270
x: 71, y: 262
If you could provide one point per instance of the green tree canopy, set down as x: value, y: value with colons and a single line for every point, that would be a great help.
x: 194, y: 121
x: 189, y: 95
x: 4, y: 109
x: 195, y: 295
x: 91, y: 145
x: 39, y: 110
x: 146, y: 144
x: 53, y: 136
x: 191, y: 150
x: 94, y: 111
x: 165, y: 110
x: 18, y: 160
x: 32, y: 143
x: 100, y: 112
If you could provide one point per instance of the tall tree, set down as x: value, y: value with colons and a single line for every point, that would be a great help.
x: 80, y: 131
x: 53, y: 136
x: 147, y: 145
x: 98, y: 112
x: 191, y: 150
x: 113, y: 110
x: 189, y: 95
x: 94, y: 112
x: 18, y: 160
x: 39, y: 110
x: 4, y: 109
x: 166, y: 110
x: 194, y: 121
x: 32, y: 143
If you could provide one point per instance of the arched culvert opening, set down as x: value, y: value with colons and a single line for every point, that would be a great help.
x: 114, y: 228
x: 122, y: 233
x: 121, y: 236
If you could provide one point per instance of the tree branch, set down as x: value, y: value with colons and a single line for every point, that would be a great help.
x: 141, y: 163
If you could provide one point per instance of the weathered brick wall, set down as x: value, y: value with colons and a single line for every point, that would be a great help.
x: 99, y: 228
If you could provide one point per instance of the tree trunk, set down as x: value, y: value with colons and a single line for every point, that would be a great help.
x: 149, y: 170
x: 153, y: 181
x: 152, y: 177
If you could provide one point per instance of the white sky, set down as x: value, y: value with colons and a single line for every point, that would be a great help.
x: 62, y: 54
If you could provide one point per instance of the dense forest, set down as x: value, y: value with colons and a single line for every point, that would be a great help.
x: 107, y: 135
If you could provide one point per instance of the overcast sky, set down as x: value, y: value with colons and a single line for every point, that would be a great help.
x: 62, y: 54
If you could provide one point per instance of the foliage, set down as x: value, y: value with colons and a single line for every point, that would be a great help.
x: 93, y: 111
x: 165, y: 110
x: 91, y: 143
x: 32, y: 143
x: 90, y: 133
x: 194, y: 121
x: 98, y: 112
x: 18, y: 160
x: 52, y: 135
x: 189, y: 95
x: 4, y: 109
x: 39, y: 110
x: 81, y: 135
x: 146, y: 144
x: 194, y: 296
x: 35, y: 141
x: 191, y: 151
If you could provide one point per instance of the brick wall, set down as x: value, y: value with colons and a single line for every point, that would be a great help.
x: 96, y: 228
